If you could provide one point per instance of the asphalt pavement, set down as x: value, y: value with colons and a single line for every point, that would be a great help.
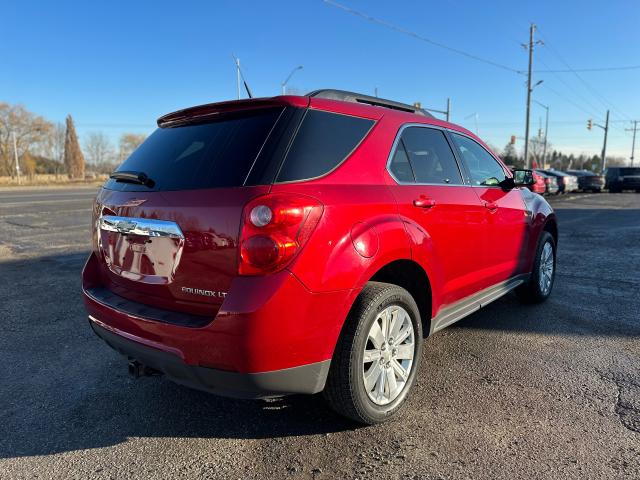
x: 546, y: 391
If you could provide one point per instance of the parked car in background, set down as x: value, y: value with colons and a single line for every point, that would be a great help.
x: 588, y: 181
x: 347, y: 228
x: 618, y: 179
x: 566, y: 183
x: 550, y: 182
x: 538, y: 184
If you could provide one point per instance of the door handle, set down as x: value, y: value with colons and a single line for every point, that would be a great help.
x: 491, y: 206
x: 424, y: 202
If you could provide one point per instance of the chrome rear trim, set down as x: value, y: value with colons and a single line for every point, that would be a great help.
x: 146, y: 227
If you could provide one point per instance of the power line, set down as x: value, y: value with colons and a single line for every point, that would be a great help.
x: 594, y: 69
x: 602, y: 99
x: 593, y: 113
x: 568, y: 100
x: 578, y: 94
x: 420, y: 37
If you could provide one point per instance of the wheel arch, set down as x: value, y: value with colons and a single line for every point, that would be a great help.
x: 551, y: 226
x: 409, y: 275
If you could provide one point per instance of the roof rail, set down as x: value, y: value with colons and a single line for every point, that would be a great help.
x: 346, y: 96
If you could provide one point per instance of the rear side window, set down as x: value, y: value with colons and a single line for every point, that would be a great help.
x: 207, y: 155
x: 430, y: 157
x: 322, y: 142
x: 400, y: 166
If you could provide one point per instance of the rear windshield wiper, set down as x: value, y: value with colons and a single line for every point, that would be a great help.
x: 139, y: 178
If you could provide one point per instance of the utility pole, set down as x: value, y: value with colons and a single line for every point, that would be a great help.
x: 15, y: 156
x: 448, y: 108
x: 530, y: 87
x: 604, y: 145
x: 633, y: 142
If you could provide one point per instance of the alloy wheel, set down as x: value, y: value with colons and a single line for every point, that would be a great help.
x: 388, y: 355
x: 546, y: 268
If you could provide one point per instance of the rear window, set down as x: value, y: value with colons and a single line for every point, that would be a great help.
x: 629, y: 171
x: 221, y: 153
x: 323, y: 141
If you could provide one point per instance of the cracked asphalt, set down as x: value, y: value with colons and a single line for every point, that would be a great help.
x: 547, y: 391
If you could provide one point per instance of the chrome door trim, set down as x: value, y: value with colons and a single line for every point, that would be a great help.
x: 146, y: 227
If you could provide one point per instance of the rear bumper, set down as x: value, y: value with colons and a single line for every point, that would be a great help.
x: 306, y: 379
x: 266, y: 329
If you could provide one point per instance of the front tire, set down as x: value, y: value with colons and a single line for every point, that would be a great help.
x: 540, y: 284
x: 378, y: 354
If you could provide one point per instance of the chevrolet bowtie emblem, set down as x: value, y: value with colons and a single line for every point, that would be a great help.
x: 125, y: 226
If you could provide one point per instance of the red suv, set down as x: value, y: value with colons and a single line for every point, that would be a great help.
x: 305, y: 244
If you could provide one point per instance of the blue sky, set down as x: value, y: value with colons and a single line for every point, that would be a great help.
x: 116, y: 66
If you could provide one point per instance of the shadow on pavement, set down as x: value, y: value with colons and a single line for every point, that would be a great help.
x: 64, y: 389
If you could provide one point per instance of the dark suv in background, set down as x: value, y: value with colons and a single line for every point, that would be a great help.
x: 618, y: 179
x: 588, y: 181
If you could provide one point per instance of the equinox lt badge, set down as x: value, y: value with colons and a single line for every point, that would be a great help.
x: 205, y: 293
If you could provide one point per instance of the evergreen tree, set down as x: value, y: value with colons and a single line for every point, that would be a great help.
x: 73, y: 158
x: 510, y: 155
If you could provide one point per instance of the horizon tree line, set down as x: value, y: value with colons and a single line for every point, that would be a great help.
x: 46, y: 147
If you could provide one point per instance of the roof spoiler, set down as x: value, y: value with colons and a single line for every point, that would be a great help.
x: 346, y: 96
x: 204, y: 112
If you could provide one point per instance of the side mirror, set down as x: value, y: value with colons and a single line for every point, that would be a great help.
x: 522, y: 178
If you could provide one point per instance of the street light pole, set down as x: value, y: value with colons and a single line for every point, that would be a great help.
x: 238, y: 76
x: 546, y: 133
x: 15, y: 155
x: 604, y: 146
x: 475, y: 117
x: 284, y: 84
x: 633, y: 142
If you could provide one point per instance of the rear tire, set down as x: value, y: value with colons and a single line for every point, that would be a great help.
x: 352, y: 389
x: 540, y: 284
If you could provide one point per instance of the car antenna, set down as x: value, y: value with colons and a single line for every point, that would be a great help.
x: 241, y: 76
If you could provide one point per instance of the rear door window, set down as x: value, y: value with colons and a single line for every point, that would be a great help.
x: 323, y: 141
x: 430, y: 156
x: 217, y: 153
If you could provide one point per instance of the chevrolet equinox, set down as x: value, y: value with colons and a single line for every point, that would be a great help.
x: 305, y: 244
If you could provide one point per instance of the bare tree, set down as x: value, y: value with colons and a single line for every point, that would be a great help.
x: 536, y: 150
x: 73, y: 158
x: 98, y: 149
x: 30, y: 131
x: 128, y: 143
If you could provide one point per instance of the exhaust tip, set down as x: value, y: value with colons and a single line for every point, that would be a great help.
x: 137, y: 370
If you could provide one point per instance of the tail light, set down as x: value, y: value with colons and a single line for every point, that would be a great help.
x: 274, y: 229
